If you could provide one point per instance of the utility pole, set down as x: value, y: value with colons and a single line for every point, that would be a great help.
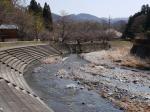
x: 109, y: 26
x: 109, y: 23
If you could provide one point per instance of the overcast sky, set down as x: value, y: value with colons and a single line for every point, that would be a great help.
x: 100, y: 8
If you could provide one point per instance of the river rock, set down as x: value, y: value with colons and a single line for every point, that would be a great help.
x: 71, y: 86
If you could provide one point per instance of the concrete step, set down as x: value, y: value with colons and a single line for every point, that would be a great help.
x: 50, y: 49
x: 39, y: 50
x: 33, y: 52
x: 6, y: 75
x: 22, y: 56
x: 26, y: 52
x: 4, y: 105
x: 15, y: 93
x: 23, y: 82
x: 12, y: 99
x: 31, y: 102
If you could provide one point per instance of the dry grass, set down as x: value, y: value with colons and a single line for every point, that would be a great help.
x: 122, y: 57
x: 135, y: 62
x: 119, y: 56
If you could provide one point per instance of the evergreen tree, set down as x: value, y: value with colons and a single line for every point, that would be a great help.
x: 143, y: 10
x: 147, y: 23
x: 40, y: 8
x: 47, y: 17
x: 139, y: 23
x: 35, y: 8
x: 129, y: 32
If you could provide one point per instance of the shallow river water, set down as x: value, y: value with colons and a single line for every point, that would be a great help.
x: 65, y: 95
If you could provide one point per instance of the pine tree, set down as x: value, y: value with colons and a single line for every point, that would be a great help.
x: 147, y: 23
x: 47, y: 17
x: 143, y: 9
x: 40, y: 8
x: 129, y: 32
x: 35, y: 8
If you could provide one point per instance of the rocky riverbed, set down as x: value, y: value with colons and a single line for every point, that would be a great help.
x: 66, y: 94
x: 127, y: 87
x: 91, y: 83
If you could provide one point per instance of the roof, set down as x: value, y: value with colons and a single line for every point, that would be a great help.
x: 5, y: 26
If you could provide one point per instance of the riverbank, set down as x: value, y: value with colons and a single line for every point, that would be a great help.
x: 115, y: 70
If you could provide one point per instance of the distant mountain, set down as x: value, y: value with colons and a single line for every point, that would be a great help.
x: 55, y: 17
x: 119, y: 20
x: 87, y: 17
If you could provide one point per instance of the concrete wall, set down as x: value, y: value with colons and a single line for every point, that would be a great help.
x: 83, y: 47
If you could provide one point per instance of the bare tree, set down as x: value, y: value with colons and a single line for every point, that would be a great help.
x: 68, y: 30
x: 62, y: 28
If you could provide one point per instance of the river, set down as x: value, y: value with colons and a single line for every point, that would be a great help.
x: 66, y: 95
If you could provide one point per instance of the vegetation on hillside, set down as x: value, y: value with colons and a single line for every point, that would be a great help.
x: 138, y: 29
x: 138, y: 24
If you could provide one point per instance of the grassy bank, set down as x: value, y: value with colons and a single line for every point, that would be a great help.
x: 120, y: 43
x: 5, y: 45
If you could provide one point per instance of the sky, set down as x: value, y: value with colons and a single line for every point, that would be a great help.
x: 99, y: 8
